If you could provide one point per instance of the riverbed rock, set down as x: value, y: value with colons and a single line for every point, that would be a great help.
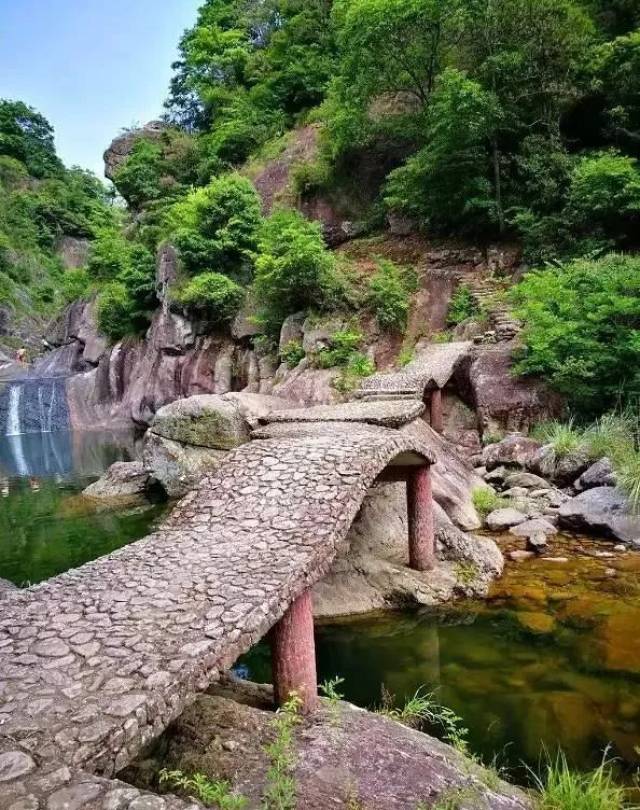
x: 600, y: 474
x: 537, y: 541
x: 561, y: 470
x: 177, y: 467
x: 346, y: 757
x: 204, y: 420
x: 512, y: 451
x: 124, y: 479
x: 531, y: 528
x: 501, y: 519
x: 525, y: 480
x: 602, y: 511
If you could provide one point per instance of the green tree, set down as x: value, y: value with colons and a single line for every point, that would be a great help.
x: 213, y: 296
x: 582, y: 330
x: 604, y: 196
x: 616, y: 69
x: 27, y: 136
x: 294, y: 269
x: 215, y: 227
x: 448, y: 182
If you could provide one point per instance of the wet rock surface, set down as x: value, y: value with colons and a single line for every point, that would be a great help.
x: 602, y: 511
x: 123, y: 480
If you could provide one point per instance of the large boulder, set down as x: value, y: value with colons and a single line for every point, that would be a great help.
x: 345, y: 757
x: 503, y: 400
x: 178, y: 467
x: 306, y: 386
x: 513, y: 451
x: 190, y: 437
x: 600, y: 474
x: 602, y: 511
x: 122, y: 146
x: 124, y: 480
x: 561, y: 469
x: 204, y: 420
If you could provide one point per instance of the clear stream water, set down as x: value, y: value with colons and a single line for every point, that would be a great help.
x: 46, y: 526
x: 552, y: 658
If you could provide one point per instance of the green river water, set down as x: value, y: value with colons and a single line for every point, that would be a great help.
x: 551, y: 659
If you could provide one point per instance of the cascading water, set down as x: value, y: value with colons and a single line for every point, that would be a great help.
x: 34, y: 405
x: 13, y: 414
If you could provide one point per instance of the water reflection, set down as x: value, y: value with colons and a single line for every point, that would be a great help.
x: 46, y: 526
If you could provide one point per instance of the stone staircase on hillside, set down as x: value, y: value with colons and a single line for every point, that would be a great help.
x: 488, y: 294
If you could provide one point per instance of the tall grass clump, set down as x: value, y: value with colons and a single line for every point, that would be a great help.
x: 486, y: 500
x: 564, y: 437
x: 561, y: 788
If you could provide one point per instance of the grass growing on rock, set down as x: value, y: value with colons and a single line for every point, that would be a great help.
x: 486, y: 500
x: 614, y: 435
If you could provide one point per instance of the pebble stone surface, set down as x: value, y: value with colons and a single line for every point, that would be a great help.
x: 97, y: 662
x: 433, y: 366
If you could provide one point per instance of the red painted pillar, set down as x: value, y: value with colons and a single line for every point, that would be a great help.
x: 293, y: 655
x: 436, y: 418
x: 422, y: 551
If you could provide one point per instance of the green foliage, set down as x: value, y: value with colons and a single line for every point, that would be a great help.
x: 462, y: 306
x: 75, y: 284
x: 27, y: 136
x: 582, y: 329
x: 216, y: 227
x: 422, y: 709
x: 615, y: 435
x: 604, y: 194
x: 162, y: 168
x: 247, y: 70
x: 390, y: 51
x: 389, y: 295
x: 344, y: 344
x: 486, y: 500
x: 212, y: 793
x: 280, y: 791
x: 561, y: 788
x: 213, y: 296
x: 294, y: 269
x: 292, y: 353
x: 127, y: 272
x: 447, y: 182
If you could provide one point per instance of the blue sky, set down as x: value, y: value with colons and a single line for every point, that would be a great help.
x: 90, y: 66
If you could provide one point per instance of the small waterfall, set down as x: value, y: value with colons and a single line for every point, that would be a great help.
x: 13, y: 414
x: 34, y: 405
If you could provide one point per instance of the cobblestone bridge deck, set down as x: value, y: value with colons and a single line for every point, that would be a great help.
x: 98, y: 661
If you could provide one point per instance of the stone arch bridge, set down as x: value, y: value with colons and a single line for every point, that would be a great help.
x: 98, y: 661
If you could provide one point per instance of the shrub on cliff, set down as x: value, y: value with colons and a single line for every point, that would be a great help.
x: 294, y: 269
x: 213, y: 296
x: 215, y: 227
x: 582, y: 330
x: 128, y: 297
x: 389, y: 295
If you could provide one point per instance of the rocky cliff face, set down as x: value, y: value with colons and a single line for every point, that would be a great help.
x: 127, y: 383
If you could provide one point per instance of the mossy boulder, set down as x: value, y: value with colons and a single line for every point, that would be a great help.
x: 204, y: 420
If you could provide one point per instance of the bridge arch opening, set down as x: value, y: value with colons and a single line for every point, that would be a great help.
x: 293, y: 656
